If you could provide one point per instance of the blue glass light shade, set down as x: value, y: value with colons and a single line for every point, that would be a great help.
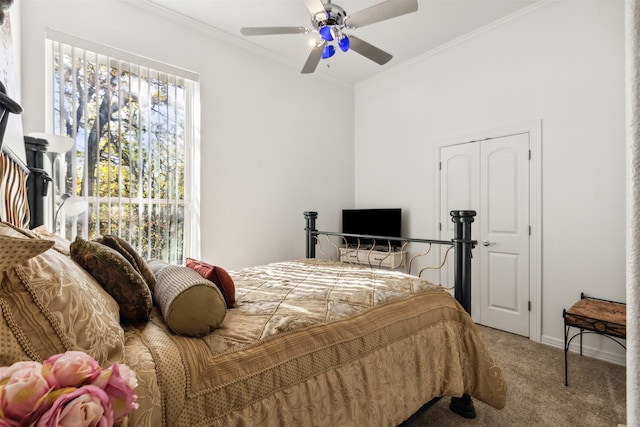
x: 328, y: 51
x: 325, y: 33
x: 344, y: 43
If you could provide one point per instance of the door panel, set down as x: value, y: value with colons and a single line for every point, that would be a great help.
x: 504, y: 230
x: 459, y: 179
x: 503, y: 271
x: 502, y: 191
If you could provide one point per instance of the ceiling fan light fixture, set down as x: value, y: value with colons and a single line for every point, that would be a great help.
x: 326, y: 33
x: 328, y: 21
x: 344, y: 43
x: 328, y: 51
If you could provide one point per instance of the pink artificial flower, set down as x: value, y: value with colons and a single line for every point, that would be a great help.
x: 67, y: 390
x: 4, y: 422
x: 7, y: 371
x: 119, y: 382
x: 70, y: 369
x: 128, y: 376
x: 21, y: 389
x: 79, y: 407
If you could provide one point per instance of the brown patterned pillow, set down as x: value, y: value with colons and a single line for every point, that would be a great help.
x: 117, y: 276
x: 51, y: 305
x: 126, y: 250
x: 16, y: 250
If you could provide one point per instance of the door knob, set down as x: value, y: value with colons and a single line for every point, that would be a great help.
x: 487, y: 243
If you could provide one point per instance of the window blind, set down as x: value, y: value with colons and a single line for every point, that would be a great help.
x: 135, y: 123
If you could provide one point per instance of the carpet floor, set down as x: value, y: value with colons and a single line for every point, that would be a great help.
x: 536, y: 394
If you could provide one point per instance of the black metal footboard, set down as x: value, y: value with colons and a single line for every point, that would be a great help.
x: 462, y: 246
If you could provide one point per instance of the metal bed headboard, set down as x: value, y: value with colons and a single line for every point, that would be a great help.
x: 462, y: 246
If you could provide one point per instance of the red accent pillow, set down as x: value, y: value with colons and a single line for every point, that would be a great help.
x: 217, y: 275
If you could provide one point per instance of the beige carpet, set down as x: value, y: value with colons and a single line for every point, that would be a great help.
x: 536, y: 393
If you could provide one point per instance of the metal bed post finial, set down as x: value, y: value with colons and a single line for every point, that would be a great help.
x: 311, y: 217
x: 463, y: 244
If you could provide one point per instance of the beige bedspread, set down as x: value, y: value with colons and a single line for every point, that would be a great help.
x: 313, y: 342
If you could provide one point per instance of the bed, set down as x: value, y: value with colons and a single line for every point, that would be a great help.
x: 302, y: 342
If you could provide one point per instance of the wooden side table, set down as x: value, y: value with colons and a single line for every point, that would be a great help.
x: 594, y: 315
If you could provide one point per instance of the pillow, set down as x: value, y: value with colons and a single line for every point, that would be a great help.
x: 51, y: 305
x: 124, y: 248
x: 217, y: 275
x: 61, y: 244
x: 190, y: 305
x: 16, y: 250
x: 117, y: 276
x: 8, y: 229
x: 14, y: 345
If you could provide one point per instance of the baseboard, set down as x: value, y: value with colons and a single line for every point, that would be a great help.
x: 596, y: 353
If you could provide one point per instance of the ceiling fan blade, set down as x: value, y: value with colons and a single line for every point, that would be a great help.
x: 314, y: 6
x: 380, y: 12
x: 266, y: 31
x: 312, y: 61
x: 369, y: 51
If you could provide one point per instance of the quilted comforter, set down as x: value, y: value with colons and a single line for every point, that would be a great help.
x: 313, y: 342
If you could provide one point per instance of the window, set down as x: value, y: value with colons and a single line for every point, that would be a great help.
x: 135, y: 126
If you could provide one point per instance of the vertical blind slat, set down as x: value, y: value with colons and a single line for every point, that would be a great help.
x: 120, y: 143
x: 85, y: 170
x: 149, y: 165
x: 72, y: 154
x: 176, y: 170
x: 96, y: 141
x: 140, y: 158
x: 130, y: 139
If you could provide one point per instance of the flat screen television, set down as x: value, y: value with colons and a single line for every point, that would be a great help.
x: 372, y: 222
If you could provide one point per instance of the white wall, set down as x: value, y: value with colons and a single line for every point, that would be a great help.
x: 264, y: 158
x: 562, y: 63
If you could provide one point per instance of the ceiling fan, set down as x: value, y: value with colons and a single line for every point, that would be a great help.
x: 330, y: 22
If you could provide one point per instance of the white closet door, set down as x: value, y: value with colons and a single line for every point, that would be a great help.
x: 492, y: 178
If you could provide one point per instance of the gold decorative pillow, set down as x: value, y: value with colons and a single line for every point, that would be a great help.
x: 14, y: 345
x: 117, y: 276
x: 8, y: 229
x: 61, y: 244
x: 51, y: 305
x: 190, y: 305
x: 16, y: 250
x: 126, y: 250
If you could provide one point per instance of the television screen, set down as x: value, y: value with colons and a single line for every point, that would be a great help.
x: 373, y: 222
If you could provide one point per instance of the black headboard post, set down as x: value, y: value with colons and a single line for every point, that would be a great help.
x: 463, y: 244
x: 310, y: 229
